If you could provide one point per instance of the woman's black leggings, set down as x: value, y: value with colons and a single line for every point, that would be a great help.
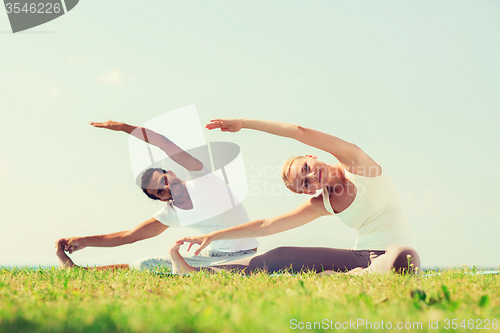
x: 398, y: 257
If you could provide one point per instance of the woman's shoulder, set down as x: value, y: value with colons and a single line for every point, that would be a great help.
x: 370, y: 170
x: 321, y: 203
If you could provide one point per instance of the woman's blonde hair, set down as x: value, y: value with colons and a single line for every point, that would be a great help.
x: 285, y: 170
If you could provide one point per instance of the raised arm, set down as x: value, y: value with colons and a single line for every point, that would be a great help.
x: 147, y: 229
x: 305, y: 213
x: 171, y: 149
x: 348, y: 154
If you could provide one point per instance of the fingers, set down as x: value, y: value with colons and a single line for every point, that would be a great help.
x: 63, y: 242
x: 214, y: 124
x: 202, y: 246
x: 194, y: 240
x: 67, y: 245
x: 185, y: 239
x: 218, y: 125
x: 70, y: 247
x: 105, y: 124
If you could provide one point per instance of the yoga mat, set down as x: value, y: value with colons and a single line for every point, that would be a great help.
x: 428, y: 274
x: 470, y: 273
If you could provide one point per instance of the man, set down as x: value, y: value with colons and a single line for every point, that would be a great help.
x: 196, y: 203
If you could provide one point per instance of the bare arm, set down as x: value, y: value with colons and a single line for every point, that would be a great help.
x: 176, y: 153
x: 305, y: 213
x: 348, y: 154
x: 147, y: 229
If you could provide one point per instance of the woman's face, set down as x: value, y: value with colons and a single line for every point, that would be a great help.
x: 165, y: 186
x: 307, y: 175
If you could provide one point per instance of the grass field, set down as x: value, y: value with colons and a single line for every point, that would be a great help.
x: 50, y: 300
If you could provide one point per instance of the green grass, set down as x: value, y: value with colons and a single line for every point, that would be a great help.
x: 49, y: 300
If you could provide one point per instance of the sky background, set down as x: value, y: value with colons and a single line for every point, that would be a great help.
x: 414, y: 84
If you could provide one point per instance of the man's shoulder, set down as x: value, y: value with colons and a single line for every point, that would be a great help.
x: 166, y: 215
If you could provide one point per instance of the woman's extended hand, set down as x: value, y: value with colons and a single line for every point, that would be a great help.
x: 202, y: 240
x: 225, y: 125
x: 112, y: 125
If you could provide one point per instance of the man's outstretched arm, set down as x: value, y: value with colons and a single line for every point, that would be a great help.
x: 147, y: 229
x: 171, y: 149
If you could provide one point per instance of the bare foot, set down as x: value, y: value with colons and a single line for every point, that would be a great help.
x: 64, y: 260
x: 179, y: 265
x: 357, y: 271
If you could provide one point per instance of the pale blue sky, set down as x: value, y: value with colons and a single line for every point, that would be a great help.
x: 414, y: 84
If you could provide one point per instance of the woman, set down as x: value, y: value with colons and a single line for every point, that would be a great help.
x: 356, y: 190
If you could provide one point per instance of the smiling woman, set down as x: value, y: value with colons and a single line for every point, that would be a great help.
x: 306, y: 175
x: 355, y: 190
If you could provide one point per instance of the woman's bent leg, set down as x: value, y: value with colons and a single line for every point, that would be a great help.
x: 401, y: 258
x: 298, y: 259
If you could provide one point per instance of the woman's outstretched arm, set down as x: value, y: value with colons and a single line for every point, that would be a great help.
x: 171, y: 149
x: 348, y: 154
x: 305, y: 213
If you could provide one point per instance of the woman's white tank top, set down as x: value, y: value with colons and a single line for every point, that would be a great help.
x: 376, y: 213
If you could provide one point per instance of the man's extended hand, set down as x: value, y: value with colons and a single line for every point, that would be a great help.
x: 72, y: 244
x: 112, y: 125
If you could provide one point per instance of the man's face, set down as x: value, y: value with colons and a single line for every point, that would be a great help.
x: 165, y: 185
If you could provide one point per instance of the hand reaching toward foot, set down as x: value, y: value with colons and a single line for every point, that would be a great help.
x: 202, y: 240
x: 64, y: 260
x: 72, y: 244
